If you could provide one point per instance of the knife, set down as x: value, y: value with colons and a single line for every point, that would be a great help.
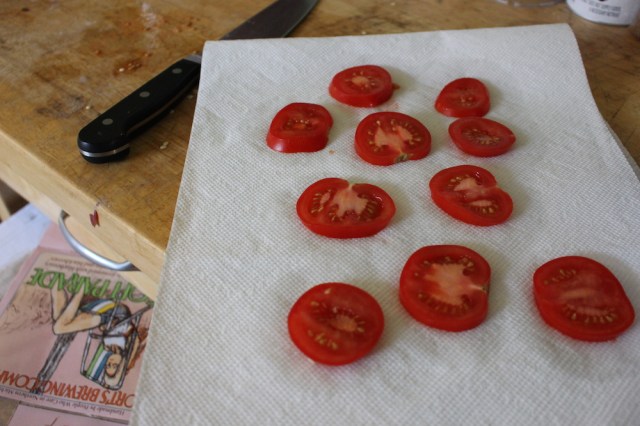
x: 108, y: 137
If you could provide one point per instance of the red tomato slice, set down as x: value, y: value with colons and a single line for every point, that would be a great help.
x: 446, y: 287
x: 481, y: 137
x: 335, y: 208
x: 464, y: 97
x: 386, y: 138
x: 300, y: 127
x: 582, y: 299
x: 470, y: 194
x: 335, y: 323
x: 362, y: 86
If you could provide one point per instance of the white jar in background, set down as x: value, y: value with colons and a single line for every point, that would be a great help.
x: 614, y: 12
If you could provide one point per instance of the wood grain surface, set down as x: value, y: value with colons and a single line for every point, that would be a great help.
x: 64, y: 62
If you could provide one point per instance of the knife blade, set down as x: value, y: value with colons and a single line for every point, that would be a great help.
x: 108, y: 137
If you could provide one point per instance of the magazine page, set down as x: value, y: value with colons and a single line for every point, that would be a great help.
x: 72, y: 335
x: 33, y: 416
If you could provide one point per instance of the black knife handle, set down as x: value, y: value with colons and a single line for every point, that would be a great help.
x: 107, y: 138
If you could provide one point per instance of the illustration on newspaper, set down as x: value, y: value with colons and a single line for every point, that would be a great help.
x: 71, y: 336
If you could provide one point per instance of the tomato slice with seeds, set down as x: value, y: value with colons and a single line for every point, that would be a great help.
x: 335, y: 323
x: 464, y: 97
x: 481, y: 137
x: 582, y: 299
x: 471, y: 194
x: 335, y: 208
x: 300, y: 127
x: 446, y: 287
x: 362, y: 86
x: 386, y: 138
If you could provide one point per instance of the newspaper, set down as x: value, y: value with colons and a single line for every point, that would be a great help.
x: 72, y: 335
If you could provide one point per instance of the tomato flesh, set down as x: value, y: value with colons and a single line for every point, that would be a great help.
x: 481, y: 137
x: 300, y: 127
x: 470, y: 194
x: 386, y: 138
x: 582, y: 299
x: 446, y: 287
x: 464, y: 97
x: 335, y: 323
x: 335, y: 208
x: 362, y: 86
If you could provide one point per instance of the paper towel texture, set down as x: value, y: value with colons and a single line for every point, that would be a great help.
x: 238, y: 257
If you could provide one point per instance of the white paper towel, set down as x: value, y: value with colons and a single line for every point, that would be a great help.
x: 238, y: 257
